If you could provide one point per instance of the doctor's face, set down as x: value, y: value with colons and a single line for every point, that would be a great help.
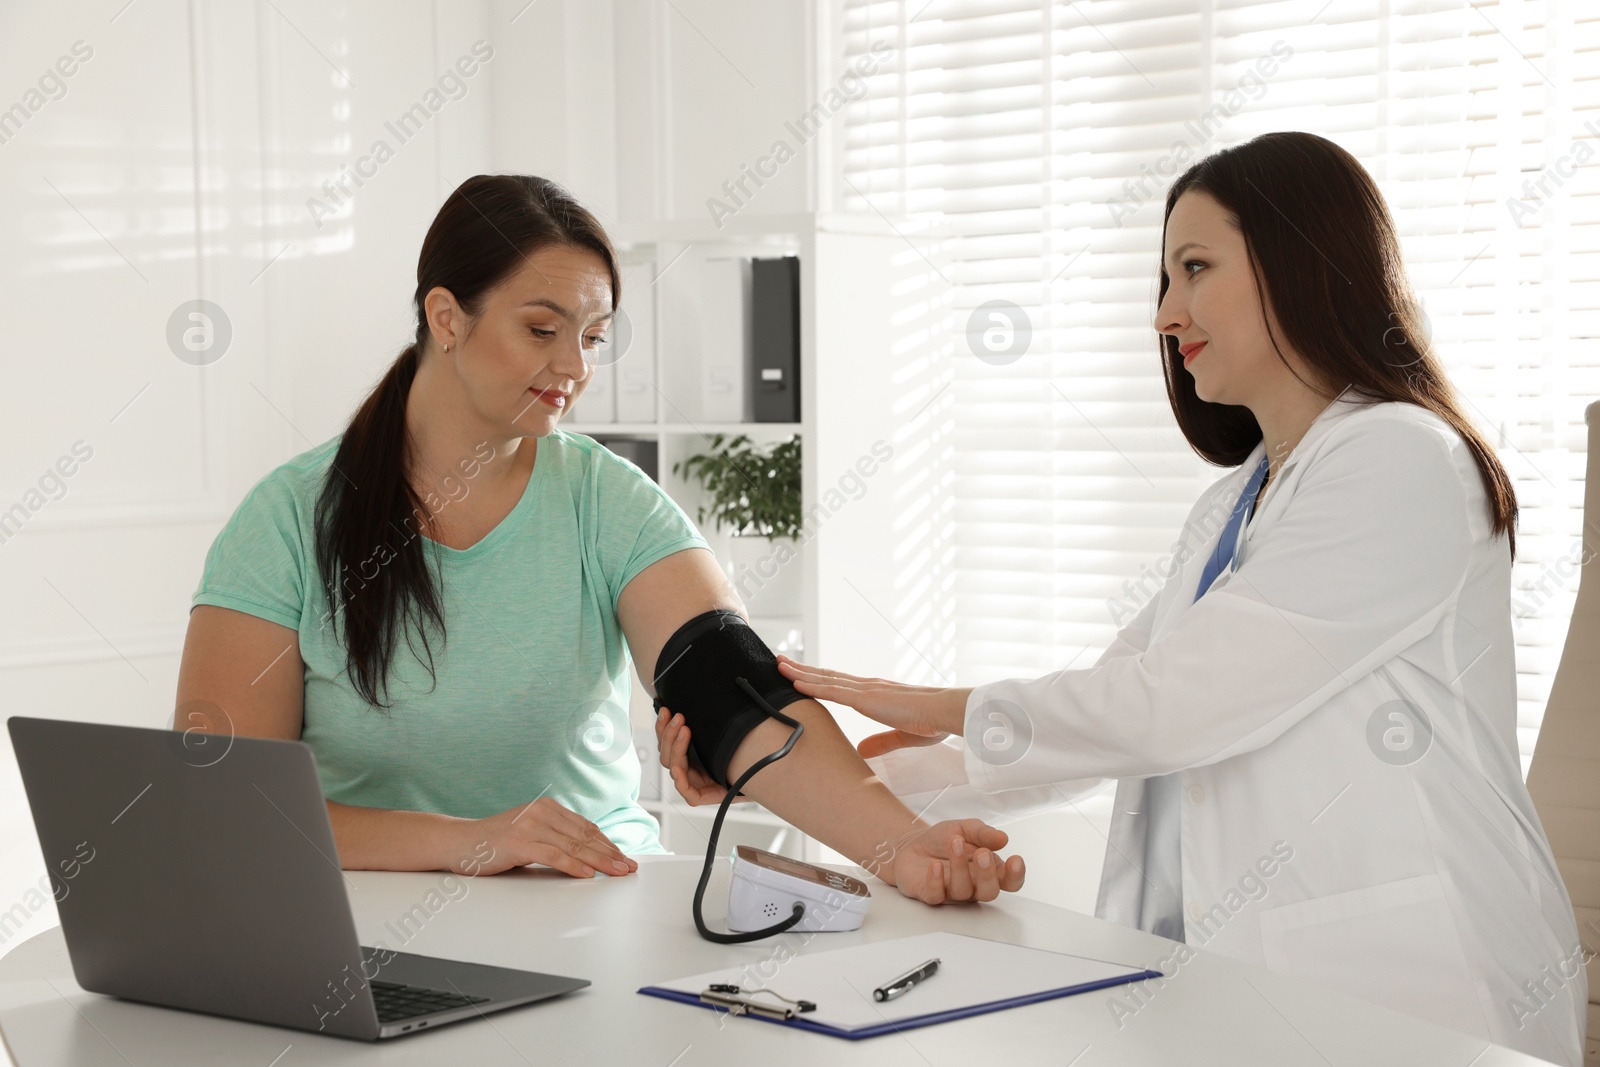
x: 1212, y: 308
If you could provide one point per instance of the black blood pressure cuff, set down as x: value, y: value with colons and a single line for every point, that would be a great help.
x: 695, y: 677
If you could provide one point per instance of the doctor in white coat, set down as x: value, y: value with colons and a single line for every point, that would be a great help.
x: 1312, y: 724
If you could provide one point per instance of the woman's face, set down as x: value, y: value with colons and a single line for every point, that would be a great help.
x: 1212, y: 308
x: 532, y: 349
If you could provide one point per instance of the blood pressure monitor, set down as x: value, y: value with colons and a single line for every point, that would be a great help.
x: 767, y: 886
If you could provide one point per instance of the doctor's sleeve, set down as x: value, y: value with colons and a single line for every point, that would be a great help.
x: 1134, y: 638
x: 933, y: 780
x: 1367, y: 556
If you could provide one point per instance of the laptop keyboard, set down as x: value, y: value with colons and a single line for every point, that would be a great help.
x: 396, y: 1001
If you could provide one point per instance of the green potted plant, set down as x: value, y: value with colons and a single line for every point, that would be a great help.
x: 754, y: 491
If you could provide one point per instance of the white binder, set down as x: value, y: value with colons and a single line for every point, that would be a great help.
x: 724, y: 323
x: 598, y: 404
x: 635, y: 378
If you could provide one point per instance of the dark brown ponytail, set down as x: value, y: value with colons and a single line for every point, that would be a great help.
x: 377, y: 567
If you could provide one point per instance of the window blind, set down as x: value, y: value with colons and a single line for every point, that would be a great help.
x: 1042, y: 135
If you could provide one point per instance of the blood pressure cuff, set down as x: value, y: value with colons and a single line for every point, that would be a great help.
x: 695, y: 677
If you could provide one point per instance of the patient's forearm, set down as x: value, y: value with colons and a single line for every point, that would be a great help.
x: 375, y: 839
x: 825, y: 789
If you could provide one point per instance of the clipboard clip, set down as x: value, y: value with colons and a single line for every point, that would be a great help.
x: 735, y: 1001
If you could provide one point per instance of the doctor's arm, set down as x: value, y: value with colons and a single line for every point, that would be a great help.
x: 822, y: 787
x: 1363, y: 562
x: 933, y: 778
x: 924, y: 769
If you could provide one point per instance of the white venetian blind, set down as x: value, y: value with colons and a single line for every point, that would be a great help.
x: 1042, y: 136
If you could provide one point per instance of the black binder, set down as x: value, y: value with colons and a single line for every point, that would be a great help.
x: 773, y: 377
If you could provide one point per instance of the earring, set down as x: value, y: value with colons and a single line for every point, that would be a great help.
x: 447, y: 348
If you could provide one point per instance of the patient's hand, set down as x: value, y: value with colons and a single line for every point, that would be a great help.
x: 950, y: 861
x: 542, y: 831
x: 672, y: 743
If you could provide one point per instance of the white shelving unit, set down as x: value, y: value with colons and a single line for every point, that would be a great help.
x: 855, y: 272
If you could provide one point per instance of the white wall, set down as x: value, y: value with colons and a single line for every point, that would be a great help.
x: 554, y: 96
x: 704, y: 89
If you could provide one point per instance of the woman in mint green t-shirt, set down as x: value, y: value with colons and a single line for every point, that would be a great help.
x: 442, y: 600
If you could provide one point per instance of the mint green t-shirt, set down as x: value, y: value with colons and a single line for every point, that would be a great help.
x: 533, y: 675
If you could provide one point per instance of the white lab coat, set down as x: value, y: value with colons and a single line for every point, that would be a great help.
x: 1366, y: 577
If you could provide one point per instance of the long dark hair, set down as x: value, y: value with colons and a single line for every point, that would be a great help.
x: 1326, y: 260
x: 377, y: 574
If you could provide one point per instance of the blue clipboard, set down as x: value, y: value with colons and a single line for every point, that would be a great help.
x: 800, y: 1022
x: 1021, y: 974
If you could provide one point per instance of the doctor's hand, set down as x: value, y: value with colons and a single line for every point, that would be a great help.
x: 918, y: 714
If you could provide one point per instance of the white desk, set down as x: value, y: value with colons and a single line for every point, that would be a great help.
x: 628, y: 932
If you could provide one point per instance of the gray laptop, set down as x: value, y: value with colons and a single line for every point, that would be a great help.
x: 199, y: 872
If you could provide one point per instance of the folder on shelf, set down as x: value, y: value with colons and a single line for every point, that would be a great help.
x: 975, y: 976
x: 598, y: 404
x: 635, y: 380
x: 774, y: 371
x: 724, y: 326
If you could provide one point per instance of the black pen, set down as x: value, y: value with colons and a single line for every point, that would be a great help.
x: 890, y: 990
